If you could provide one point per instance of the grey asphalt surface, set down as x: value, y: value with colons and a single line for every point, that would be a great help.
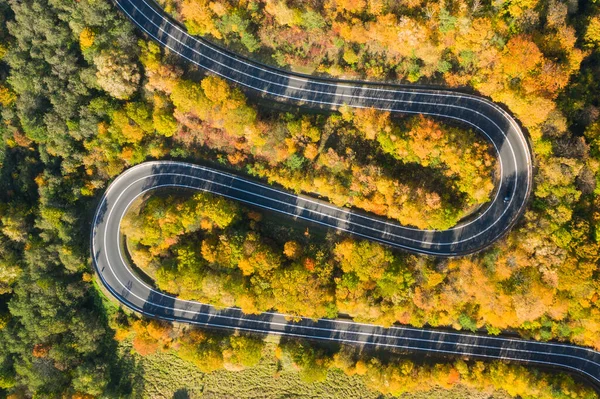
x: 492, y: 223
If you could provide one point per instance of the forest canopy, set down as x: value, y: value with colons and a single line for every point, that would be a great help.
x: 83, y: 96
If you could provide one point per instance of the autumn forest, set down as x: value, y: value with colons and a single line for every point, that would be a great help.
x: 84, y: 96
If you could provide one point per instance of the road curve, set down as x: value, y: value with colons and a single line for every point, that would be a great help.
x: 482, y: 115
x: 487, y: 118
x: 116, y: 275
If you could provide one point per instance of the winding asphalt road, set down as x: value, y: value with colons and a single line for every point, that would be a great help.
x: 115, y: 273
x: 487, y: 118
x: 483, y: 116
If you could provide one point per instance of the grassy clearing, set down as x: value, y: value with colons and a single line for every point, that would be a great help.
x: 164, y: 375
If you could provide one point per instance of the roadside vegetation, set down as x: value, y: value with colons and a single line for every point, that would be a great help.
x: 167, y: 360
x: 83, y: 97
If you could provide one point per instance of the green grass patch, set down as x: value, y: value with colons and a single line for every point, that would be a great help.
x: 165, y: 375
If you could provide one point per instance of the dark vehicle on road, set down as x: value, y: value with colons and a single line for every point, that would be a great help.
x: 508, y: 193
